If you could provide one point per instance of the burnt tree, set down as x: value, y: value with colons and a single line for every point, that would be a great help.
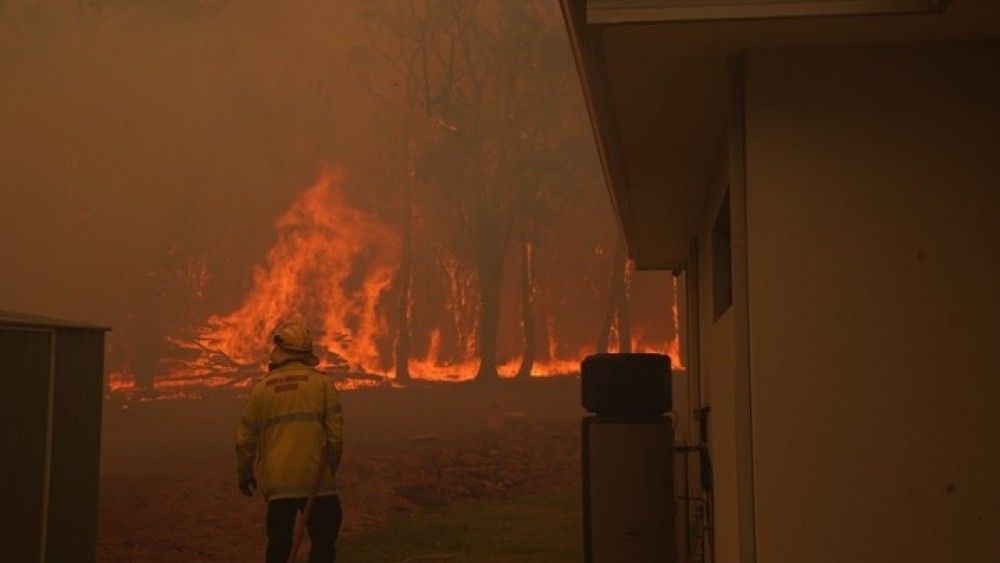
x: 617, y: 309
x: 401, y: 69
x: 527, y: 307
x: 495, y: 80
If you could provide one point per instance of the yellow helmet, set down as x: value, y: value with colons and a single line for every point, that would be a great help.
x: 292, y: 342
x: 294, y: 338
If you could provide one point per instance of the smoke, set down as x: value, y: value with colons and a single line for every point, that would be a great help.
x: 141, y: 136
x: 148, y: 146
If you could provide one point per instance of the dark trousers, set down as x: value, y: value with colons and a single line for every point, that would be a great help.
x: 323, y: 526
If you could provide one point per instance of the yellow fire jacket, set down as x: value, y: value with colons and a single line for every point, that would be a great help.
x: 292, y: 414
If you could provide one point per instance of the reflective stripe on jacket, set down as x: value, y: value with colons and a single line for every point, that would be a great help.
x: 292, y: 414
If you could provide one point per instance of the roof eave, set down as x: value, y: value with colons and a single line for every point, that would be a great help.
x: 587, y: 55
x: 10, y: 319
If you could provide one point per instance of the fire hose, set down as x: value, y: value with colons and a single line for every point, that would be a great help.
x: 300, y: 527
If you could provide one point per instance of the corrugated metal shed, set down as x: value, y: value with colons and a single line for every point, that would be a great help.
x: 52, y: 372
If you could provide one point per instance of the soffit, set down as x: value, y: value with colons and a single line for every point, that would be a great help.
x: 657, y: 96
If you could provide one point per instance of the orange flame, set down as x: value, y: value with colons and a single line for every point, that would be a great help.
x: 330, y: 268
x: 121, y: 382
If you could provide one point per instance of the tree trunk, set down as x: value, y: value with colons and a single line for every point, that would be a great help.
x: 527, y: 309
x: 146, y: 357
x: 617, y: 306
x: 147, y: 346
x: 624, y: 330
x: 405, y: 278
x: 489, y: 266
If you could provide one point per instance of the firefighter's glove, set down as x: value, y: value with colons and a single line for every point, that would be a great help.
x: 247, y: 485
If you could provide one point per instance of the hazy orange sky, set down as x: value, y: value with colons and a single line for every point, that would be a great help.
x: 143, y: 137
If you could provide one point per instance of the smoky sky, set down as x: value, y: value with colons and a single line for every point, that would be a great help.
x: 137, y: 127
x: 143, y: 137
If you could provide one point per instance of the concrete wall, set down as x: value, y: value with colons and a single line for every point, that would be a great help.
x: 873, y: 181
x: 717, y: 363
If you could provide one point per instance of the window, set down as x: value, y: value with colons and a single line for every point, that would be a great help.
x: 722, y: 260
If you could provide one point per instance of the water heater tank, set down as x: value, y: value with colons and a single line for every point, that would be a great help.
x: 629, y: 507
x: 627, y: 385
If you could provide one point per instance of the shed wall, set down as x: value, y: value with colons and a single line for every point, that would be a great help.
x: 24, y: 365
x: 76, y: 446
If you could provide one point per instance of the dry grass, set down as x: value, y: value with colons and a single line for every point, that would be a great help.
x: 528, y: 529
x: 466, y: 465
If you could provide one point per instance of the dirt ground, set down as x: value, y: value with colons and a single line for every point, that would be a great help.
x: 168, y: 478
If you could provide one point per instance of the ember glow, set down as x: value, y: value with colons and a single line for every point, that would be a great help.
x: 332, y: 267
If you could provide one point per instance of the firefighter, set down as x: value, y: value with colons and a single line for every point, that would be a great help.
x: 293, y: 422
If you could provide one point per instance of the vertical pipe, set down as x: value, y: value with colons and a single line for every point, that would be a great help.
x: 693, y: 329
x: 692, y: 291
x: 682, y: 433
x: 49, y: 420
x: 741, y: 313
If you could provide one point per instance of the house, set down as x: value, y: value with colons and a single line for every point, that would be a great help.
x: 50, y: 437
x: 825, y: 175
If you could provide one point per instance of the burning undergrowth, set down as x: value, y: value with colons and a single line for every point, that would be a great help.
x: 330, y: 268
x: 335, y: 267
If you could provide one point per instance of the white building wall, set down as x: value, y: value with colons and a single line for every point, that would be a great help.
x: 873, y: 178
x: 718, y: 362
